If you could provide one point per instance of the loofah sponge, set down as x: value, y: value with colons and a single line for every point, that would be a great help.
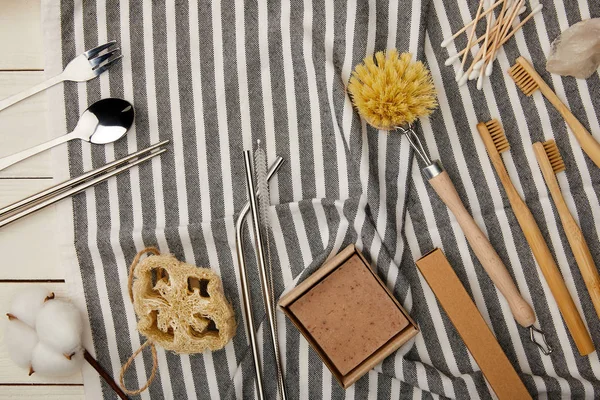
x: 390, y: 90
x: 181, y: 307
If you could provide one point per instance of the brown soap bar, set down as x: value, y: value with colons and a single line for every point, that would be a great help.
x: 349, y: 314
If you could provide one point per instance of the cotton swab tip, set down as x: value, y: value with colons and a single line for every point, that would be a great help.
x: 537, y: 8
x: 452, y: 59
x: 480, y: 82
x: 473, y: 75
x: 489, y: 67
x: 522, y: 10
x: 446, y: 42
x: 463, y: 79
x: 459, y: 76
x: 478, y: 65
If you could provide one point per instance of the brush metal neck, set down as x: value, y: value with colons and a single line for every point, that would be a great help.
x: 433, y: 169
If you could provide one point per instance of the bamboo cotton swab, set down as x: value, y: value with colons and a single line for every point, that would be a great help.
x: 497, y: 32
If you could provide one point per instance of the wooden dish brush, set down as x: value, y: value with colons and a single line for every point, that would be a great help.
x: 391, y: 92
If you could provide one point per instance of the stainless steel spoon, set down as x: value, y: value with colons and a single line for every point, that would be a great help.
x: 103, y: 122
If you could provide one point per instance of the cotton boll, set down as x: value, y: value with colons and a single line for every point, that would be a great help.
x: 26, y: 304
x: 19, y: 341
x: 59, y: 325
x: 47, y: 361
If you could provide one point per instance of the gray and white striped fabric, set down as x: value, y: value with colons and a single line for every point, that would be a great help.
x: 215, y: 76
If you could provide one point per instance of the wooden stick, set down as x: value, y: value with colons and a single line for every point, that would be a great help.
x: 107, y: 378
x: 471, y: 34
x: 485, y: 46
x: 446, y: 42
x: 495, y: 40
x: 511, y: 34
x: 453, y: 58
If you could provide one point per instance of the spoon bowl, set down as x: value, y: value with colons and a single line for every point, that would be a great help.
x: 104, y: 122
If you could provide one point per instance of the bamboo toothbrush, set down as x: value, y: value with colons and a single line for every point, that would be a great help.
x: 391, y: 92
x: 551, y: 163
x: 496, y: 143
x: 528, y: 80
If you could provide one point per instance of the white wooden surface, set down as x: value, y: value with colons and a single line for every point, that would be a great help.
x: 28, y: 247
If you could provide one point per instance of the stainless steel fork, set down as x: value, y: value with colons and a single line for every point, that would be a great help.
x: 82, y: 68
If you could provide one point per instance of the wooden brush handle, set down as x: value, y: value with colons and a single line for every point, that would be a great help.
x: 483, y: 249
x: 585, y: 139
x: 542, y: 254
x: 580, y: 249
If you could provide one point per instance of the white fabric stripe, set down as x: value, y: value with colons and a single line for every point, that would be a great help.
x: 364, y: 158
x: 226, y: 179
x: 175, y: 111
x: 415, y: 19
x: 213, y: 259
x: 329, y: 73
x: 240, y: 51
x: 267, y: 93
x: 163, y: 366
x: 315, y: 112
x: 373, y: 381
x: 199, y: 106
x: 186, y: 366
x: 393, y: 24
x: 290, y: 99
x: 347, y: 68
x: 152, y: 112
x: 303, y: 368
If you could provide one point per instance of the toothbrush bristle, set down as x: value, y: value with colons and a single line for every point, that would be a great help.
x: 554, y: 156
x: 497, y: 133
x: 523, y: 79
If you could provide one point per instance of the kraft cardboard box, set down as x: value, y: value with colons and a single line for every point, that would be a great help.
x: 348, y: 316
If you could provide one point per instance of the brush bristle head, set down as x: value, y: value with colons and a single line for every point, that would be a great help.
x: 523, y: 79
x: 390, y: 90
x: 554, y: 156
x: 498, y: 137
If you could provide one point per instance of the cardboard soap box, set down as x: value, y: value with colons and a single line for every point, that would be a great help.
x: 348, y: 316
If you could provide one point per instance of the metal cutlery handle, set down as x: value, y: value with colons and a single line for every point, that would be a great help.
x: 15, y: 98
x: 73, y: 191
x: 22, y: 155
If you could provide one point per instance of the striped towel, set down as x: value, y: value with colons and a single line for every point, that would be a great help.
x: 213, y: 77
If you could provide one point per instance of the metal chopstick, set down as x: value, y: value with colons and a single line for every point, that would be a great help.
x: 262, y: 269
x: 54, y: 190
x: 38, y: 205
x: 239, y: 245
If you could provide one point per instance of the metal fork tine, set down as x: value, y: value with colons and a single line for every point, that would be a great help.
x: 100, y: 69
x: 96, y: 50
x: 100, y: 59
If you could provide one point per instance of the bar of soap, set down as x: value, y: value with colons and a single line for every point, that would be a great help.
x: 349, y: 314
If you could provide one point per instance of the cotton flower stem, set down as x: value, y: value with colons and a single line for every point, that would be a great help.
x: 102, y: 372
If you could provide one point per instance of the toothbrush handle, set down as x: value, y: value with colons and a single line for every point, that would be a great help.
x: 587, y: 142
x: 483, y: 249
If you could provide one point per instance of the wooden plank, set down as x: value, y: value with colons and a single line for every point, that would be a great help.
x: 24, y: 125
x: 9, y: 372
x: 21, y: 33
x: 41, y: 392
x: 29, y: 247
